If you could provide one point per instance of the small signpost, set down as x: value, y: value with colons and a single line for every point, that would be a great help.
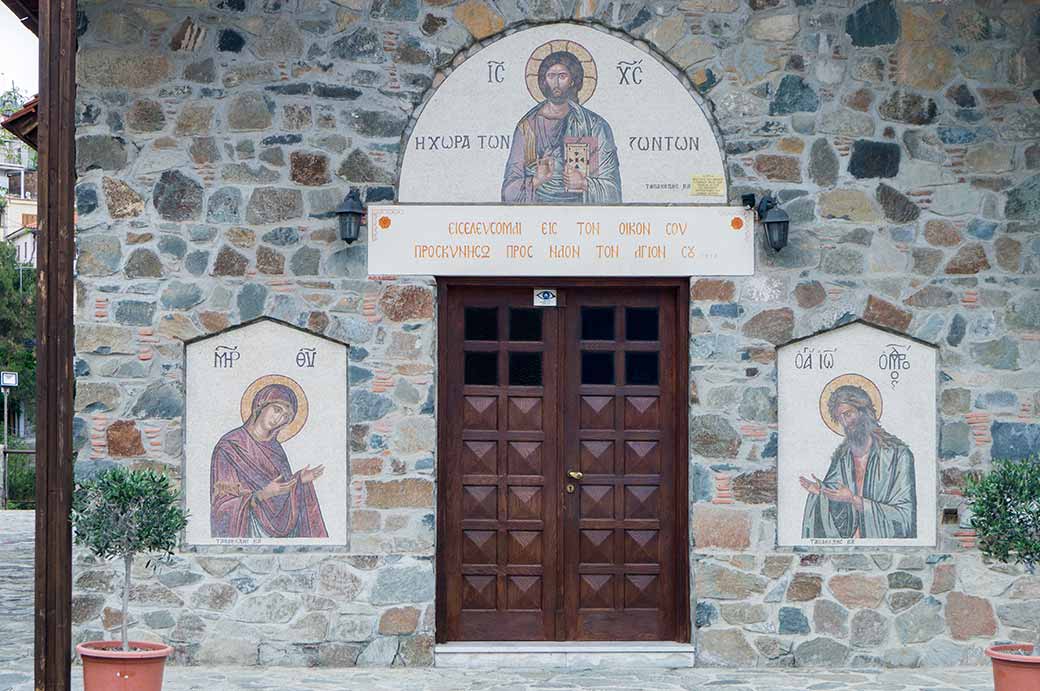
x: 8, y: 380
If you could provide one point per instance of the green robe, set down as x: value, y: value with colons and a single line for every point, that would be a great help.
x: 889, y: 495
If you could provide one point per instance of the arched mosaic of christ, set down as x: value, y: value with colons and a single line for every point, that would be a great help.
x: 253, y: 489
x: 561, y: 151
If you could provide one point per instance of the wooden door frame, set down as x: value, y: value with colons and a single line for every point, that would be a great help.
x: 681, y: 548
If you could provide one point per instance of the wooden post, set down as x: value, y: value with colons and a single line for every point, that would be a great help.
x: 54, y: 344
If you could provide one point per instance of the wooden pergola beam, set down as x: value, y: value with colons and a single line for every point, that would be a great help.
x: 28, y: 11
x: 54, y: 344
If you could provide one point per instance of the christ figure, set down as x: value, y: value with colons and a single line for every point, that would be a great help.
x: 537, y: 171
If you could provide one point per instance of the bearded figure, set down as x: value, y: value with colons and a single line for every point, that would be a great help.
x: 870, y: 490
x: 562, y: 152
x: 253, y: 490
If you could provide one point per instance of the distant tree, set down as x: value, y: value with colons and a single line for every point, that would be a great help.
x: 18, y: 328
x: 17, y: 294
x: 12, y: 100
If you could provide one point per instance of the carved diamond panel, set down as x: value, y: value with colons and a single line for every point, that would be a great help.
x: 525, y: 413
x: 479, y: 457
x: 479, y: 592
x: 525, y: 503
x: 642, y: 458
x: 642, y: 412
x: 480, y: 412
x: 480, y: 501
x: 597, y: 501
x: 642, y: 547
x: 596, y: 591
x: 597, y: 457
x: 597, y: 412
x: 479, y: 547
x: 525, y: 546
x: 641, y: 501
x: 524, y: 592
x: 596, y: 547
x: 641, y: 591
x: 525, y: 457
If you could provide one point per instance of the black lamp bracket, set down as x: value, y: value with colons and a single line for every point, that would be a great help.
x: 764, y: 205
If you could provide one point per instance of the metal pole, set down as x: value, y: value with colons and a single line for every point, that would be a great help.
x: 3, y: 499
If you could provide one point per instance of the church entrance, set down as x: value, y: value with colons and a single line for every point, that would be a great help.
x: 563, y: 461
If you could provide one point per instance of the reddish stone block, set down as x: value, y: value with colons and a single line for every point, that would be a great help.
x: 366, y: 466
x: 784, y: 168
x: 399, y: 494
x: 775, y: 326
x: 713, y: 289
x: 721, y: 528
x: 404, y: 302
x: 213, y: 321
x: 941, y: 234
x: 855, y: 590
x: 804, y: 587
x: 124, y: 439
x: 970, y: 259
x: 944, y: 577
x: 969, y: 617
x: 810, y: 294
x: 886, y: 314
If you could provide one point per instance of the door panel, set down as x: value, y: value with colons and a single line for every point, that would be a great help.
x: 618, y: 526
x: 500, y: 527
x: 528, y: 396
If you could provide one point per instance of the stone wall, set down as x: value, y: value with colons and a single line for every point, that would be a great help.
x: 215, y: 139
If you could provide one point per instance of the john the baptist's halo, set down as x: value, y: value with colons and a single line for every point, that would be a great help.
x: 857, y: 380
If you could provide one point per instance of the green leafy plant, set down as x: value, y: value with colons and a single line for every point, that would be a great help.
x: 121, y: 513
x: 1005, y: 506
x: 21, y: 477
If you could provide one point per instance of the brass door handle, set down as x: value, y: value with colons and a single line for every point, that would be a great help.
x: 575, y: 474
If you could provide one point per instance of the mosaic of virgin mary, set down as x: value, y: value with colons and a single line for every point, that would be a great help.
x: 254, y: 492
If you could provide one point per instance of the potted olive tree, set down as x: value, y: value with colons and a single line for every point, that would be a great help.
x: 1005, y: 505
x: 118, y: 515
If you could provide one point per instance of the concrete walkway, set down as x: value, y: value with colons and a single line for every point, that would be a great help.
x: 415, y: 679
x: 17, y: 530
x: 16, y: 641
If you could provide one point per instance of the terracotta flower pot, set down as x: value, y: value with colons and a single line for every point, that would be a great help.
x: 1014, y: 672
x: 106, y: 667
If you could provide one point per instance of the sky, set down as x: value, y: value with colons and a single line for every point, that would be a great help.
x: 19, y: 54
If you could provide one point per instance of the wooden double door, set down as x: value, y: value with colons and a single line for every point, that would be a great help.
x: 562, y: 483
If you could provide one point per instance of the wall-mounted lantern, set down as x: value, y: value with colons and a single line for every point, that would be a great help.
x: 351, y: 214
x: 775, y: 219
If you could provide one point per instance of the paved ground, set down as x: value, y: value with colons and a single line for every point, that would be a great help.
x: 444, y: 680
x: 16, y: 533
x: 281, y: 679
x: 16, y: 596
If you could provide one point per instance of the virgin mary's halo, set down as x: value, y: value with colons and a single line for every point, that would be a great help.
x: 302, y: 408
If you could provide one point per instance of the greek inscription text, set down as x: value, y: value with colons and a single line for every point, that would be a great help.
x: 224, y: 357
x: 664, y: 143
